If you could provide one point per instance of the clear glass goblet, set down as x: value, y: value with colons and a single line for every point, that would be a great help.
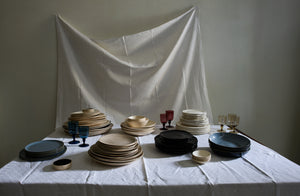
x: 222, y: 121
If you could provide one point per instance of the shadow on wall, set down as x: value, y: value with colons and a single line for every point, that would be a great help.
x: 276, y: 94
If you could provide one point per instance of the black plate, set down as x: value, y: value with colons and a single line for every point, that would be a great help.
x: 229, y: 141
x: 228, y: 153
x: 175, y: 136
x: 179, y: 148
x: 25, y: 157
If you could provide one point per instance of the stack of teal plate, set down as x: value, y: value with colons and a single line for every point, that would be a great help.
x: 42, y: 150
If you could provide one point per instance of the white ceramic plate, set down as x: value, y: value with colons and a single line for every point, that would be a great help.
x: 127, y: 157
x: 193, y: 130
x: 139, y: 133
x: 150, y: 124
x: 117, y: 140
x: 193, y: 112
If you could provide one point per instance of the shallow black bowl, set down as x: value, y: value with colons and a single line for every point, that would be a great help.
x: 229, y: 141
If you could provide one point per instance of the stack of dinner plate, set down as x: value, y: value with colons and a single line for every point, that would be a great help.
x: 138, y: 126
x: 194, y: 122
x: 93, y: 118
x: 176, y: 142
x: 228, y: 144
x: 43, y: 150
x: 116, y: 149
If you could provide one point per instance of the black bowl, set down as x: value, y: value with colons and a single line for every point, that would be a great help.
x: 229, y: 141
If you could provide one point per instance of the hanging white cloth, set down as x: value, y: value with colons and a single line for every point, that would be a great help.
x: 140, y: 74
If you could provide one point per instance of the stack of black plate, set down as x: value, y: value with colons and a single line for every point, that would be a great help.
x: 43, y: 150
x: 228, y: 144
x: 176, y: 142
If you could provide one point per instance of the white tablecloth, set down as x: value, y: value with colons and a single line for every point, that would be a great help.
x: 260, y: 172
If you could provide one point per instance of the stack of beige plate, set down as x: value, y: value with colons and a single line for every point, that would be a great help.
x: 193, y: 121
x: 93, y: 118
x: 116, y: 149
x: 138, y: 126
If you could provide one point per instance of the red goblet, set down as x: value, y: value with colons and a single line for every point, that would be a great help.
x: 163, y: 120
x: 170, y: 116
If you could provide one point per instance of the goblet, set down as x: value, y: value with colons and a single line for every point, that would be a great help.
x: 163, y: 120
x: 234, y: 124
x: 230, y: 119
x: 73, y: 129
x: 170, y: 116
x: 221, y: 121
x: 83, y: 133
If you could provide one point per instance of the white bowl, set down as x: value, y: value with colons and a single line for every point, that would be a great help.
x: 137, y: 121
x: 201, y: 156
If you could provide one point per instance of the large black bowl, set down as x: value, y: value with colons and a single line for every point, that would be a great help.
x: 229, y: 142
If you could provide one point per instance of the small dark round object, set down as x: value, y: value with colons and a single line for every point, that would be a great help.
x: 62, y: 164
x: 83, y: 145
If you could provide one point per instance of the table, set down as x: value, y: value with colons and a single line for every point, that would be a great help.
x: 261, y: 171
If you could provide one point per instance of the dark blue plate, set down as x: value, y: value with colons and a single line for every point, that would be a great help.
x: 229, y: 141
x: 23, y: 155
x: 44, y: 148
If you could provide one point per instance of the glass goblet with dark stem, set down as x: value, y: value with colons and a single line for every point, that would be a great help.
x: 170, y: 116
x: 163, y: 120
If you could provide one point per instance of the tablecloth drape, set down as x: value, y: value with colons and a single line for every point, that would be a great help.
x: 261, y: 171
x: 143, y: 74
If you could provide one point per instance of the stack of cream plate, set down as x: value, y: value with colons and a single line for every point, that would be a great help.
x: 116, y: 149
x: 138, y: 126
x: 93, y: 118
x: 194, y: 122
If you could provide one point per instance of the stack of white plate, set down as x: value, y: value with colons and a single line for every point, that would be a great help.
x: 138, y: 126
x: 93, y: 118
x: 194, y: 122
x: 116, y: 149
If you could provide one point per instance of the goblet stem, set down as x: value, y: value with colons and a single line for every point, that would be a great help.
x: 164, y: 127
x: 84, y: 144
x: 169, y: 126
x: 234, y: 129
x: 74, y: 141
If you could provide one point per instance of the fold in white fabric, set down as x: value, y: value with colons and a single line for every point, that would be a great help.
x: 140, y: 74
x: 260, y: 172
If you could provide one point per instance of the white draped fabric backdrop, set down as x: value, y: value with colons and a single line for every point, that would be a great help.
x: 141, y: 74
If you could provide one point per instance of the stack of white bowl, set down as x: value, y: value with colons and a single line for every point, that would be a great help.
x: 194, y: 122
x: 138, y: 126
x: 116, y: 149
